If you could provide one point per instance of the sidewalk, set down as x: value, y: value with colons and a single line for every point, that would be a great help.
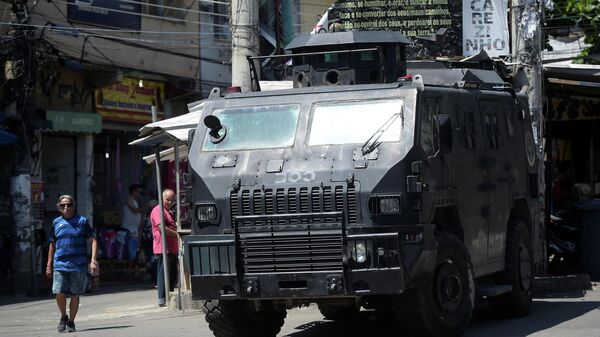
x: 119, y: 307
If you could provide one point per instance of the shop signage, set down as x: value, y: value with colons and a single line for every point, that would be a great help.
x: 127, y: 101
x: 413, y: 18
x: 70, y: 121
x: 485, y: 27
x: 574, y: 107
x: 109, y: 13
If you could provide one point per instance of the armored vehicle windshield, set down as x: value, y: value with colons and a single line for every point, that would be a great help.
x: 254, y: 127
x: 363, y: 118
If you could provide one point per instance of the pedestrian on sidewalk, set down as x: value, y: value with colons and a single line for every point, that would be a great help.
x: 68, y: 260
x: 168, y: 197
x: 148, y: 242
x: 132, y: 219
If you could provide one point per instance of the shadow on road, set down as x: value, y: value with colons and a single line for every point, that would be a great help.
x: 118, y: 287
x: 544, y: 315
x: 105, y: 288
x: 365, y: 324
x: 106, y: 328
x: 7, y: 299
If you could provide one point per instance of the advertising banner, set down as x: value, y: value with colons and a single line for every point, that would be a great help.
x: 436, y: 25
x: 485, y: 26
x: 108, y: 13
x: 127, y: 101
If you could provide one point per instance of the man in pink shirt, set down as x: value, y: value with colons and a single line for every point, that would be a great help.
x: 172, y: 246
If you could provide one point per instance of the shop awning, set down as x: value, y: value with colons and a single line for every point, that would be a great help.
x: 168, y: 131
x: 168, y: 154
x: 572, y: 91
x: 7, y: 138
x: 573, y: 74
x: 71, y: 121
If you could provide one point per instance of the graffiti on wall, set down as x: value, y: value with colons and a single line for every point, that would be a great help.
x: 63, y: 89
x: 413, y: 18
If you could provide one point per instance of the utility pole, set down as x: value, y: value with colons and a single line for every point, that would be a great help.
x: 163, y: 240
x: 526, y: 20
x: 244, y: 40
x: 20, y: 65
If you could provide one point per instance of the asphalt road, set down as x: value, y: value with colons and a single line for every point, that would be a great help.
x: 131, y: 312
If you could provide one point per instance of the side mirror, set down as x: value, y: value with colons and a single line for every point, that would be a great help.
x: 442, y: 133
x: 214, y: 124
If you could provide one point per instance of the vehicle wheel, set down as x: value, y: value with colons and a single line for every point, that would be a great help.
x: 443, y: 305
x: 241, y: 319
x: 518, y: 273
x: 338, y: 311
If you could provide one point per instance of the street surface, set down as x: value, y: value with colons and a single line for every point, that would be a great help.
x: 131, y: 311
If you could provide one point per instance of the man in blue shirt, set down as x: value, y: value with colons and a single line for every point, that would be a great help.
x: 68, y: 259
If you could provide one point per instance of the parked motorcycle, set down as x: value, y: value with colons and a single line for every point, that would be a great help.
x: 564, y: 234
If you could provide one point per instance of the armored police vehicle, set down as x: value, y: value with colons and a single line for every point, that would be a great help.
x: 407, y: 190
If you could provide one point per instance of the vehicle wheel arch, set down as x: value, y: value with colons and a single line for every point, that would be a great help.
x: 447, y: 219
x: 520, y: 211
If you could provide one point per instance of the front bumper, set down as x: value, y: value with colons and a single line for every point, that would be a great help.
x: 313, y: 262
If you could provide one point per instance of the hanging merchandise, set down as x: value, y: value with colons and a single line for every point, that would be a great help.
x: 108, y: 182
x: 118, y: 182
x: 140, y: 166
x: 133, y: 163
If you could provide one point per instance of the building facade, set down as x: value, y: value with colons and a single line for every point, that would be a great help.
x: 79, y: 79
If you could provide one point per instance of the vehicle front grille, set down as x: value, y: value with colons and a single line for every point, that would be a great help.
x: 293, y: 229
x: 296, y: 200
x: 291, y: 248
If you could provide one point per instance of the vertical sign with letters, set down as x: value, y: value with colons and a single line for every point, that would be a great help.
x: 485, y: 26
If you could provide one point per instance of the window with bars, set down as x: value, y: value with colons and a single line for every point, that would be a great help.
x: 431, y: 107
x: 489, y: 113
x: 166, y: 8
x: 466, y: 125
x: 221, y: 21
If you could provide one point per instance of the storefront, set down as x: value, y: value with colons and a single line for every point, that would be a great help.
x: 125, y: 107
x: 61, y: 164
x: 573, y: 124
x: 573, y: 167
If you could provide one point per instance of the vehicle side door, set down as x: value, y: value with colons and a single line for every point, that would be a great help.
x: 496, y: 168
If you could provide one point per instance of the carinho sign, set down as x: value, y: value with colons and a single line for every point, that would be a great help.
x: 485, y: 27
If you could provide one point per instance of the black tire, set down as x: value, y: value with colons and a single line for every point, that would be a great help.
x: 518, y: 273
x: 241, y: 319
x: 338, y: 311
x: 443, y: 306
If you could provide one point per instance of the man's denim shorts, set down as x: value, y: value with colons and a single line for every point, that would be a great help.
x: 70, y: 283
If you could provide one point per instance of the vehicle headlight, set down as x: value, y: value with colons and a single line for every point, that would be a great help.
x: 386, y: 204
x: 206, y: 213
x: 359, y: 252
x: 389, y: 205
